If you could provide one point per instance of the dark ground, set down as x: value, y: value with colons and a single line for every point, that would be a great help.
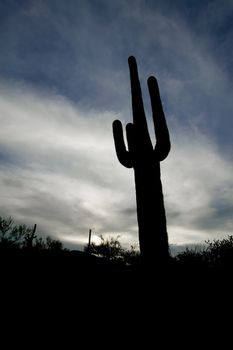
x: 88, y: 295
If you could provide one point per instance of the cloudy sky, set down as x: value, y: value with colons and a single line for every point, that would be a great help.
x: 63, y: 80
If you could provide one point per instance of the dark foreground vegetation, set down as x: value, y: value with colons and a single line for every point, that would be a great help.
x: 106, y: 285
x: 27, y: 257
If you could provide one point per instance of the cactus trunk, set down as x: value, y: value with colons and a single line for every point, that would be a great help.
x: 153, y: 238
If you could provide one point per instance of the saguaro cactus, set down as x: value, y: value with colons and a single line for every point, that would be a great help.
x: 145, y: 160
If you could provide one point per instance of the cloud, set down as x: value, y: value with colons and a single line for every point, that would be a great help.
x: 199, y: 188
x: 59, y: 169
x: 58, y: 166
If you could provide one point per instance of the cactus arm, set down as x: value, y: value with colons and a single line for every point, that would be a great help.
x: 123, y: 155
x: 131, y: 138
x: 162, y: 147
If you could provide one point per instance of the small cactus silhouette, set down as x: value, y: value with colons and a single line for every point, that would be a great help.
x: 29, y: 237
x: 145, y: 160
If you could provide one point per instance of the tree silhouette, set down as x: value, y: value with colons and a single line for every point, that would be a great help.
x: 145, y: 160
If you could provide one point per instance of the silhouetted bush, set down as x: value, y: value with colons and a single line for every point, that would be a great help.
x: 53, y: 244
x: 24, y: 237
x: 216, y: 253
x: 131, y: 256
x: 111, y: 249
x: 21, y: 240
x: 219, y: 252
x: 191, y: 256
x: 11, y: 234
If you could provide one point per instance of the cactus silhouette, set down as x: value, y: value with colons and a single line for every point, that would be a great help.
x: 145, y: 160
x: 29, y: 237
